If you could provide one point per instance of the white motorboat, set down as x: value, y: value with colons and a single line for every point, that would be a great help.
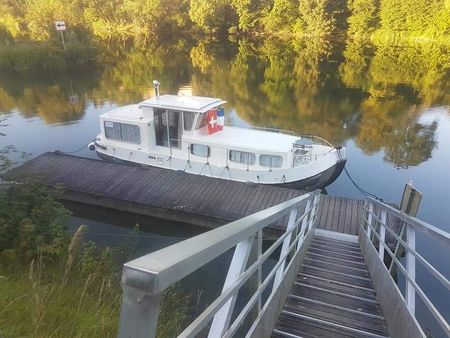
x: 188, y: 133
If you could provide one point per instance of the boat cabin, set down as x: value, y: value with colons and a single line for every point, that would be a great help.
x: 174, y: 116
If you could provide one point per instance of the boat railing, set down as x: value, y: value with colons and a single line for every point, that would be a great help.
x: 269, y: 129
x: 145, y: 279
x: 315, y: 138
x: 394, y: 233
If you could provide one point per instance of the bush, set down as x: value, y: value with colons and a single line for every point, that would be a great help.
x: 44, y: 57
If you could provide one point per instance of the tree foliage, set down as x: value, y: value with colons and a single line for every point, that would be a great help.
x: 251, y: 13
x: 213, y: 15
x: 363, y: 19
x: 144, y: 19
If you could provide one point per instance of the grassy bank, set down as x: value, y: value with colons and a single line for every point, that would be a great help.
x: 34, y: 57
x: 54, y: 285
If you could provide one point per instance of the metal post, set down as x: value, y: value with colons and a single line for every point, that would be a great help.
x: 285, y: 248
x: 410, y: 268
x: 138, y: 314
x: 260, y: 243
x: 314, y: 211
x: 369, y: 221
x: 397, y: 244
x: 238, y: 264
x: 382, y: 235
x: 305, y: 221
x: 62, y: 38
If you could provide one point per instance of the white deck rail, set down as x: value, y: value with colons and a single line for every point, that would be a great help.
x: 377, y: 223
x: 145, y: 279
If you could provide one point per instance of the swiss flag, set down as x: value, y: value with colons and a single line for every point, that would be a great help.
x: 213, y: 123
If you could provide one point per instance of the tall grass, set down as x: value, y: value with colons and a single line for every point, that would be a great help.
x: 34, y: 57
x: 79, y: 298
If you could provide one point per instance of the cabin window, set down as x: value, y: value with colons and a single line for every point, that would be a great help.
x: 242, y: 157
x: 188, y: 120
x: 200, y: 150
x: 167, y: 128
x: 271, y: 161
x: 202, y: 121
x: 124, y: 132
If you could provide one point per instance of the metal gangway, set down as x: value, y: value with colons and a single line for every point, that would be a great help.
x: 318, y: 282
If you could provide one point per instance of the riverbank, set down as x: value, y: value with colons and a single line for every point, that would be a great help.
x: 54, y: 285
x: 44, y: 57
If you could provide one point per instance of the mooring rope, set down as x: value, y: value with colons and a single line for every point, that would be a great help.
x: 75, y: 151
x: 361, y: 190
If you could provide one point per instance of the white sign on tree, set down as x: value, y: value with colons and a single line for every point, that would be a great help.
x: 60, y: 25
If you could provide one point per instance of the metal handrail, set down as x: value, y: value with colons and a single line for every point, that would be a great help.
x: 312, y: 136
x: 379, y: 215
x: 413, y: 221
x: 269, y: 129
x: 145, y: 279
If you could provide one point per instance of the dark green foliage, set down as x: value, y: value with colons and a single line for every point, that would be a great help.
x: 251, y: 13
x: 54, y: 285
x: 44, y: 57
x: 316, y: 18
x: 363, y: 19
x: 32, y: 223
x: 282, y: 16
x: 213, y: 15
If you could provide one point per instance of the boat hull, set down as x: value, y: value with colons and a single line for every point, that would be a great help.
x: 318, y: 181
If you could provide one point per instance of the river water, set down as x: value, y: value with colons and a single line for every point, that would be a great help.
x: 388, y: 104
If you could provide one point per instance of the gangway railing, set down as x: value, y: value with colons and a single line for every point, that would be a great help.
x: 145, y: 279
x: 379, y: 222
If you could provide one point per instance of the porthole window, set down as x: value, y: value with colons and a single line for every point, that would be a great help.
x: 200, y: 150
x: 242, y: 157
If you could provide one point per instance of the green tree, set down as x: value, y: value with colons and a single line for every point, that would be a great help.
x: 157, y: 16
x: 282, y: 16
x: 251, y: 13
x: 32, y: 223
x: 316, y: 18
x: 363, y: 18
x: 213, y: 15
x: 40, y: 16
x: 414, y: 17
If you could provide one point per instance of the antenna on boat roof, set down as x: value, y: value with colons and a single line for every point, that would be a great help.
x: 156, y: 85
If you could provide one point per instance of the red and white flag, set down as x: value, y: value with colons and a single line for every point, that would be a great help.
x: 213, y: 123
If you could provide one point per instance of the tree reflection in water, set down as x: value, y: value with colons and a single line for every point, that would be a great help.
x: 373, y: 93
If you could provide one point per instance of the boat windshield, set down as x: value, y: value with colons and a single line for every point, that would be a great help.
x: 202, y: 121
x: 188, y: 120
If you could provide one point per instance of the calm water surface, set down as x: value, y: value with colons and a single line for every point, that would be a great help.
x: 389, y: 105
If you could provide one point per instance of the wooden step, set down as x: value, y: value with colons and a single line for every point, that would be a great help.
x: 332, y: 295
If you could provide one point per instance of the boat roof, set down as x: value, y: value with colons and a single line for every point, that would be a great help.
x: 244, y: 139
x: 129, y: 113
x: 198, y: 104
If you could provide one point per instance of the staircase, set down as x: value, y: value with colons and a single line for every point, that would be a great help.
x: 332, y: 296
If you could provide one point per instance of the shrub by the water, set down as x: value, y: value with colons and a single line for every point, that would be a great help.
x: 44, y: 57
x: 55, y: 285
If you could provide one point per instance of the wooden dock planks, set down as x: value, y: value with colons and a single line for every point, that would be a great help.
x: 144, y: 187
x: 332, y: 296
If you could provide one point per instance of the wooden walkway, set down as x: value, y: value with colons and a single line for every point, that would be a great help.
x: 332, y: 295
x: 171, y: 194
